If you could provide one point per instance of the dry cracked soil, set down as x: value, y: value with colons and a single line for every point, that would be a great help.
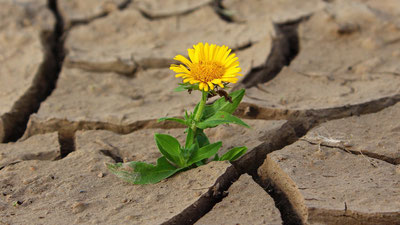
x: 83, y: 82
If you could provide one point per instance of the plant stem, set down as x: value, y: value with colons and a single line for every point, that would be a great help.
x: 200, y: 110
x: 198, y: 114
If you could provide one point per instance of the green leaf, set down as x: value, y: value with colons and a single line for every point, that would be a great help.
x: 199, y: 163
x: 189, y: 137
x: 143, y: 173
x: 170, y: 148
x: 222, y: 105
x: 233, y: 154
x: 201, y: 138
x: 204, y: 152
x: 220, y: 117
x: 179, y: 89
x: 186, y: 86
x: 172, y: 119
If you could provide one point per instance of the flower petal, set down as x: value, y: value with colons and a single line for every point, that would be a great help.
x: 183, y: 59
x: 192, y: 55
x: 206, y: 87
x: 201, y: 86
x: 211, y: 85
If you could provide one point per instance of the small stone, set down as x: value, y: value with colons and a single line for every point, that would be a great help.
x: 100, y: 175
x: 78, y: 207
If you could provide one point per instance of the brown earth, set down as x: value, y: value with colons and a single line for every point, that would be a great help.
x: 83, y: 82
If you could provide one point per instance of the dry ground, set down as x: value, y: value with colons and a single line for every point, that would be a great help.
x: 83, y: 82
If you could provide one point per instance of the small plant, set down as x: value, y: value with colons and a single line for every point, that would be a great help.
x: 210, y: 69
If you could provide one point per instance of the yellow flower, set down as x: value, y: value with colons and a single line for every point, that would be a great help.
x: 208, y: 65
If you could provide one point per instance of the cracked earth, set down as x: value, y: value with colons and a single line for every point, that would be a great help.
x: 82, y: 83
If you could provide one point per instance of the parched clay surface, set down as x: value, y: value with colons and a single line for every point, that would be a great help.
x: 246, y: 203
x: 344, y: 60
x: 111, y: 100
x: 125, y: 40
x: 332, y: 186
x: 304, y: 63
x: 376, y: 135
x: 21, y: 56
x: 79, y: 189
x: 38, y: 147
x: 278, y: 11
x: 75, y: 11
x: 158, y: 9
x: 140, y: 145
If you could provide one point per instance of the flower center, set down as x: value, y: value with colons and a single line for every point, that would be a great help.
x: 207, y: 71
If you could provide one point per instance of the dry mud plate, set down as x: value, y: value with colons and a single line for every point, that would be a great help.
x: 82, y: 84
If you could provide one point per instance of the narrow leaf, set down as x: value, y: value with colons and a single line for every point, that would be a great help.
x: 220, y: 118
x: 233, y: 154
x: 204, y: 152
x: 201, y: 138
x: 180, y: 88
x: 170, y: 148
x: 222, y: 105
x: 189, y: 137
x: 144, y: 173
x: 172, y: 119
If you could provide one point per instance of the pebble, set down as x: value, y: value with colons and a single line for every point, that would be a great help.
x: 78, y: 207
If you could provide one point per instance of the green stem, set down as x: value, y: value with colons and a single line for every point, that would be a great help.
x: 200, y: 110
x: 199, y: 114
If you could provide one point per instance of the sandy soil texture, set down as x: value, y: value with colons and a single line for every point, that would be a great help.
x: 82, y: 83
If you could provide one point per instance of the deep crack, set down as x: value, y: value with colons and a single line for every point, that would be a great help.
x: 223, y: 13
x: 285, y: 48
x: 15, y: 122
x: 206, y: 202
x: 282, y: 203
x: 67, y: 143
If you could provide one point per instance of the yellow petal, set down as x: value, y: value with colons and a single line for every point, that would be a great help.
x: 229, y: 75
x: 180, y: 75
x: 216, y: 81
x: 226, y: 55
x: 206, y: 51
x: 192, y: 55
x: 201, y: 51
x: 183, y: 59
x: 221, y: 52
x: 201, y: 86
x: 187, y: 80
x: 233, y: 70
x: 211, y: 85
x: 212, y: 52
x: 234, y: 64
x: 230, y: 80
x: 194, y: 81
x: 206, y: 87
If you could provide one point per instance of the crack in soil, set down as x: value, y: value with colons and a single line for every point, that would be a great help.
x: 206, y: 202
x: 15, y: 123
x: 67, y: 143
x: 78, y: 22
x: 116, y: 157
x: 122, y: 67
x: 68, y: 128
x: 152, y: 17
x: 282, y: 203
x: 223, y: 13
x: 285, y: 48
x: 355, y: 152
x: 253, y: 111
